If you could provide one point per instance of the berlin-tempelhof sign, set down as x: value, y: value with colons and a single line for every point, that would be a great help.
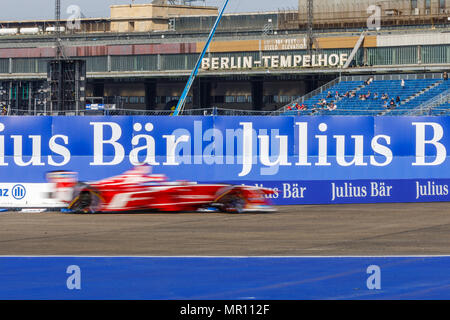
x: 275, y: 61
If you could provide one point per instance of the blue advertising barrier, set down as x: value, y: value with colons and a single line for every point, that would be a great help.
x: 309, y: 160
x: 224, y: 278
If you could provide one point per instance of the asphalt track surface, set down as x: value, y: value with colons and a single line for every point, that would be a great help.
x: 332, y: 230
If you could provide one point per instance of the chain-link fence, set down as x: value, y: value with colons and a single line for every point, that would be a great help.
x: 130, y: 112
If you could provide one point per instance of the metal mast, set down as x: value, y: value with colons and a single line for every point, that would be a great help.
x: 59, y: 49
x: 310, y: 26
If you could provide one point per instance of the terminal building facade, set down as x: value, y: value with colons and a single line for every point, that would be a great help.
x: 141, y: 56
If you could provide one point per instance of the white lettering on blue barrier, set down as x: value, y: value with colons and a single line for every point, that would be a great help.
x: 293, y: 191
x: 148, y: 148
x: 301, y: 146
x: 274, y: 195
x: 99, y: 142
x: 421, y: 142
x: 431, y: 189
x: 380, y: 189
x: 351, y: 190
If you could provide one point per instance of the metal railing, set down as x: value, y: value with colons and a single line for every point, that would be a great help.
x: 445, y: 97
x: 309, y: 95
x: 233, y: 112
x: 130, y: 112
x: 427, y: 106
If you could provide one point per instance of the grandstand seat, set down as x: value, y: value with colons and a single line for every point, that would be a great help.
x: 412, y: 94
x: 443, y: 109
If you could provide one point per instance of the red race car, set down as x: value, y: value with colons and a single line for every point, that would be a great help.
x: 138, y: 190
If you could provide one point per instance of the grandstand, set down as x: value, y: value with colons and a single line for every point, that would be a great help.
x: 443, y: 109
x: 353, y: 96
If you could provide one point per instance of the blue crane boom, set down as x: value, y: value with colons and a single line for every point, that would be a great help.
x: 194, y: 73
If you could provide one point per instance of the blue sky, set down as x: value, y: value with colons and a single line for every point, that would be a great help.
x: 35, y: 9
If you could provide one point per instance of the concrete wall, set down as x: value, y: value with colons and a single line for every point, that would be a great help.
x: 158, y: 11
x: 418, y: 39
x: 151, y: 17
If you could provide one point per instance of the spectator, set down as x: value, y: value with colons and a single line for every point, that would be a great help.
x: 332, y: 106
x: 4, y: 111
x: 336, y: 95
x: 368, y: 81
x: 329, y: 95
x: 295, y: 107
x: 445, y: 76
x: 392, y: 104
x: 397, y: 100
x: 375, y: 96
x: 385, y: 105
x: 403, y: 84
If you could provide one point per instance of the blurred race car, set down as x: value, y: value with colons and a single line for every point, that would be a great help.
x: 138, y: 190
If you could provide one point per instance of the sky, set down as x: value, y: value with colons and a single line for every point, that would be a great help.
x: 14, y: 10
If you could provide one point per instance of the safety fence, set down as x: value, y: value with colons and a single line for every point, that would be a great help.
x: 130, y: 112
x: 231, y: 112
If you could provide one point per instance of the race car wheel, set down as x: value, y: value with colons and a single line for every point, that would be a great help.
x: 233, y: 204
x: 86, y: 202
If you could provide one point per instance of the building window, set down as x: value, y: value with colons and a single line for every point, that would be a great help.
x: 413, y: 4
x: 135, y: 100
x: 161, y: 99
x: 441, y: 4
x: 285, y: 99
x: 230, y: 99
x: 428, y: 4
x: 270, y: 99
x: 241, y: 99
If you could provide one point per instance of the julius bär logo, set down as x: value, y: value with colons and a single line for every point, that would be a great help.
x: 18, y: 192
